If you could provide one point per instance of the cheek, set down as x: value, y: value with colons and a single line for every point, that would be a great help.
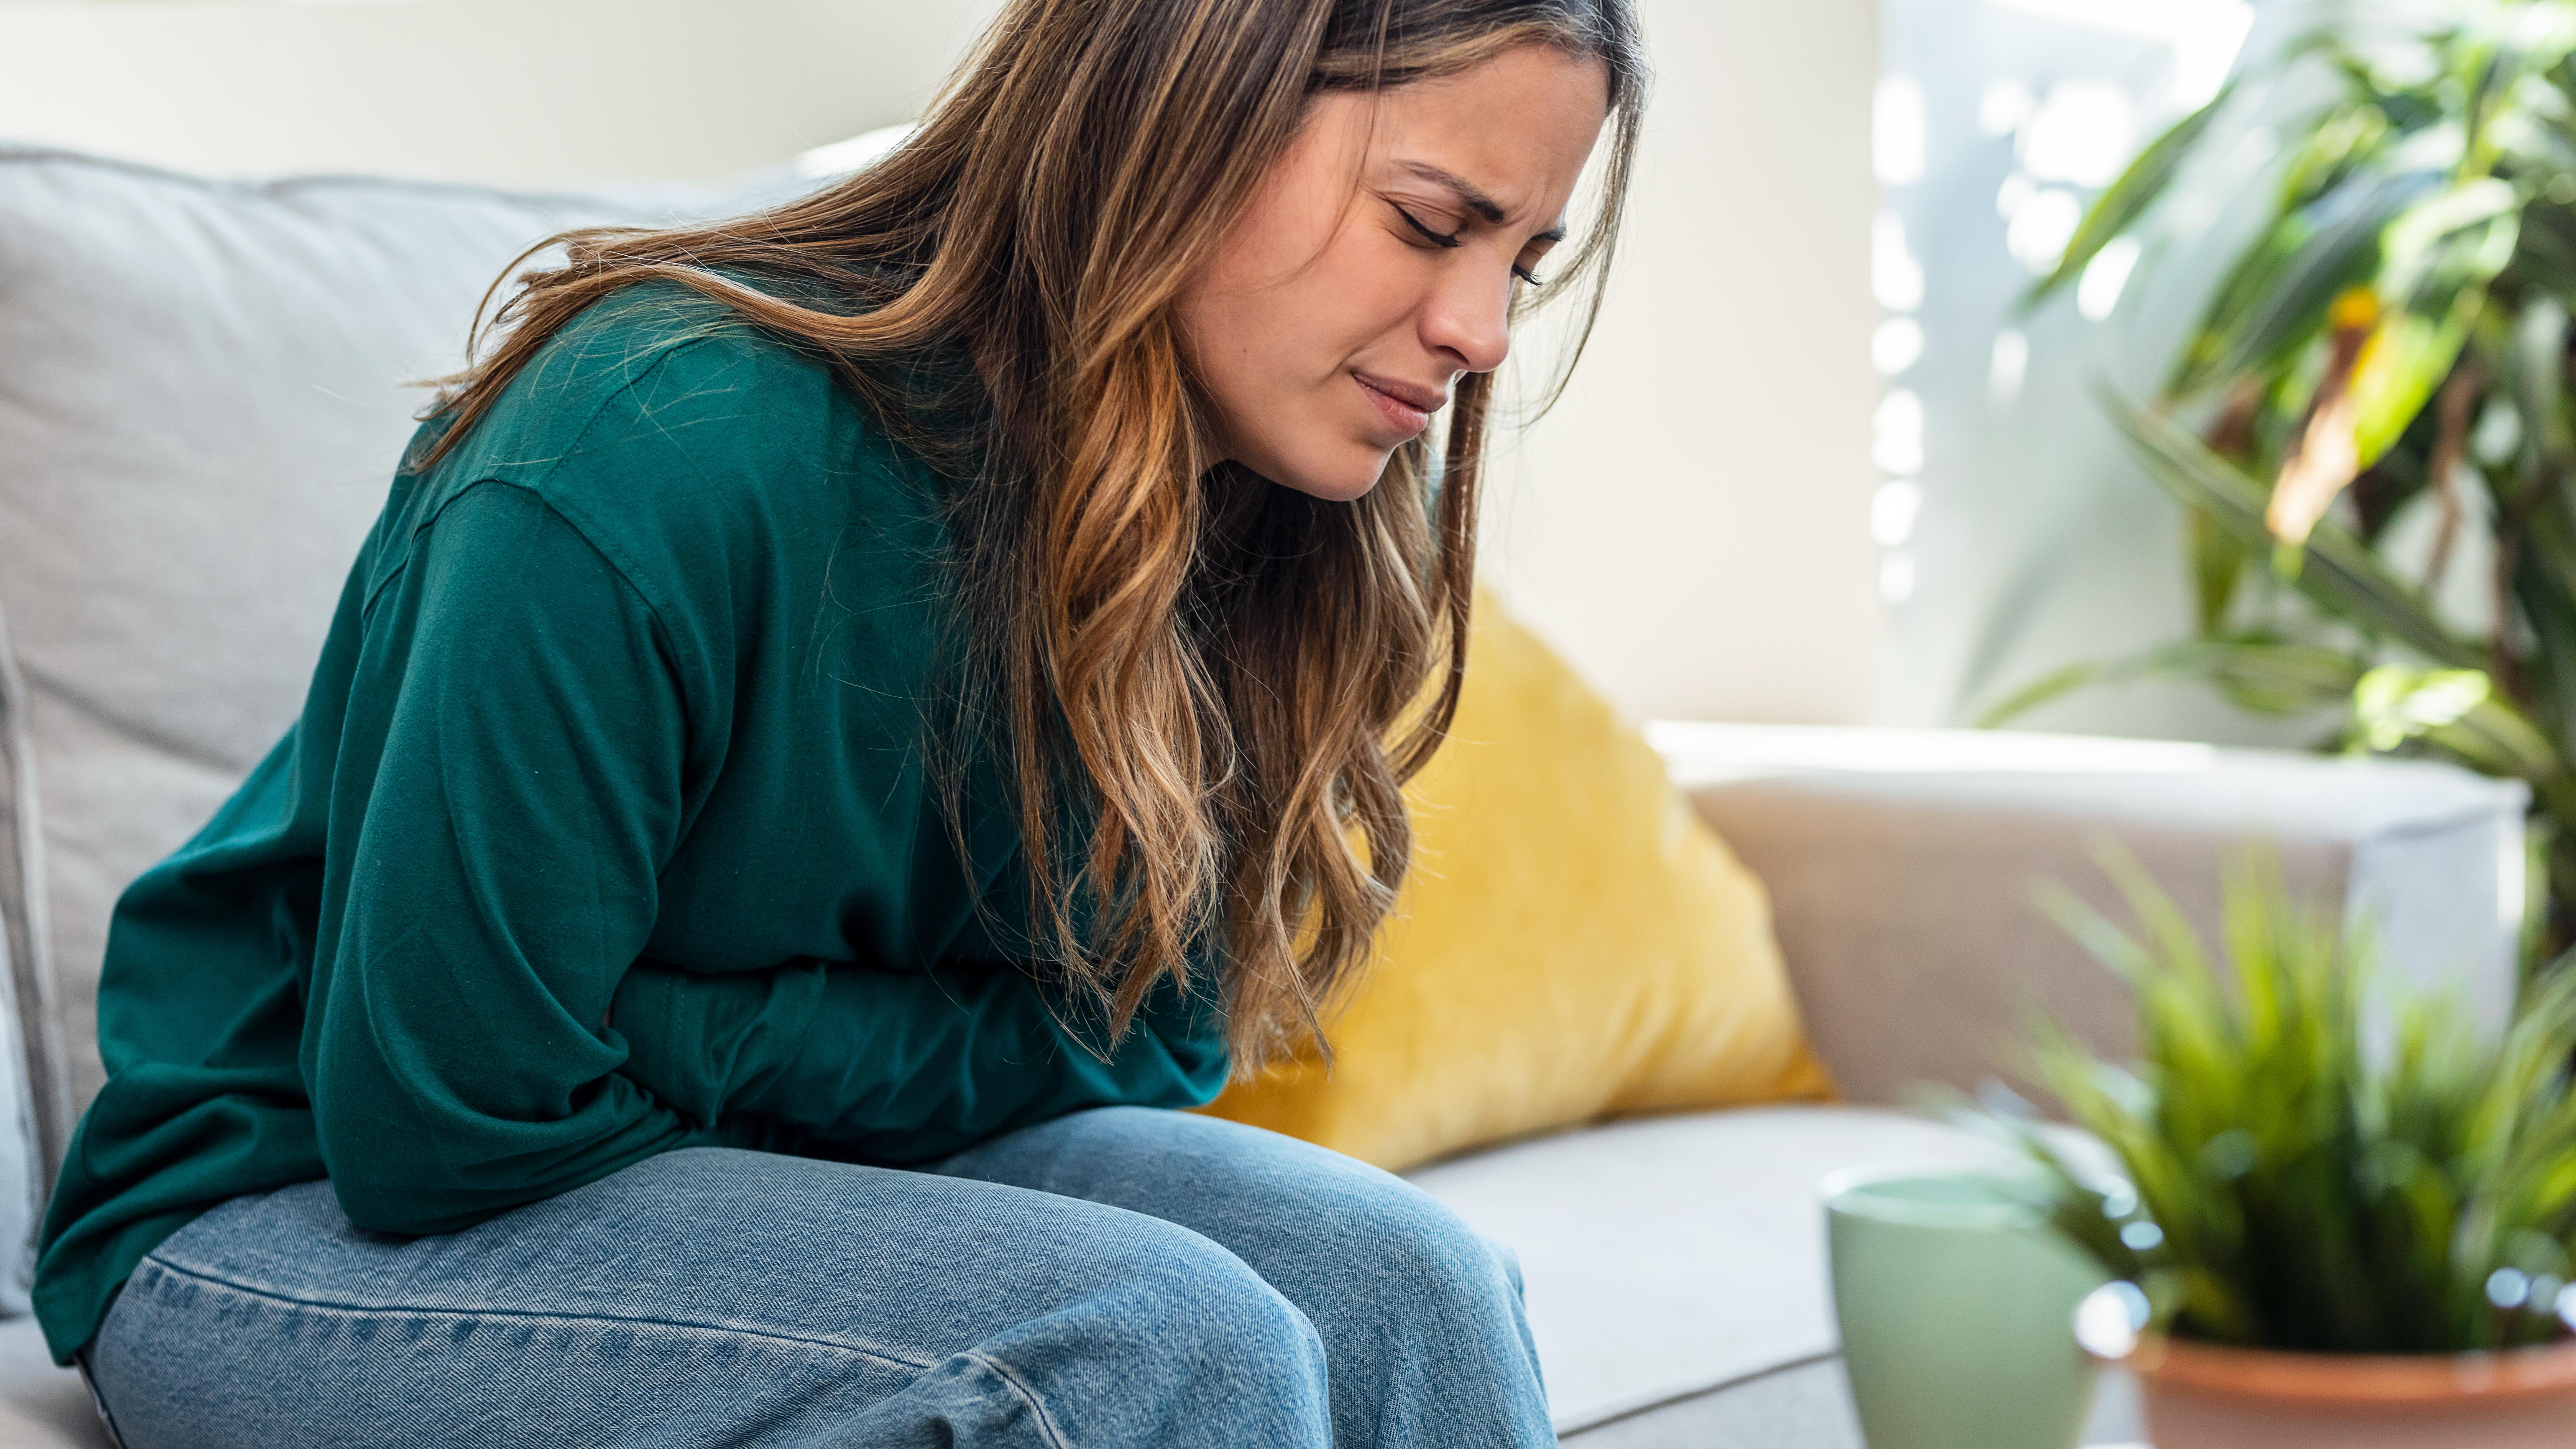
x: 1367, y: 289
x: 1244, y: 322
x: 1342, y: 304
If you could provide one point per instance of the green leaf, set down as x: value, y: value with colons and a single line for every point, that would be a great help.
x: 2266, y: 676
x: 2278, y: 303
x: 2439, y: 257
x: 2546, y: 247
x: 2535, y: 366
x: 2340, y: 574
x: 2253, y: 271
x: 2512, y: 44
x: 2394, y: 704
x: 2543, y: 558
x: 2457, y: 711
x: 2494, y: 738
x: 2406, y: 357
x: 2457, y: 237
x: 2128, y: 197
x: 2217, y: 566
x: 2341, y: 140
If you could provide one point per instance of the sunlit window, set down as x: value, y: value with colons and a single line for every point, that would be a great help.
x: 1997, y: 124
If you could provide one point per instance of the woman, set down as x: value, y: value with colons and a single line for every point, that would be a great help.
x: 846, y: 720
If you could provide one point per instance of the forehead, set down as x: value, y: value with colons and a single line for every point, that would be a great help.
x: 1517, y: 127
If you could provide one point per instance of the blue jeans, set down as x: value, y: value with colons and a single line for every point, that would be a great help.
x: 1113, y: 1279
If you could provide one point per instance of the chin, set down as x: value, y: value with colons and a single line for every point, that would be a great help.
x: 1335, y: 480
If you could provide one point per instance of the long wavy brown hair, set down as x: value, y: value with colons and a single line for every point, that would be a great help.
x: 1223, y: 682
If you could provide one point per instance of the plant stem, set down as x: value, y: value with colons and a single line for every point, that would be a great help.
x: 2450, y: 444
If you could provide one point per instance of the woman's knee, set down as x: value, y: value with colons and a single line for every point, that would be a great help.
x: 1189, y: 1288
x: 1177, y: 1328
x: 1323, y: 1227
x: 1417, y: 1237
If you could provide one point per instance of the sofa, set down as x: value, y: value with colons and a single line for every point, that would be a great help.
x: 202, y: 387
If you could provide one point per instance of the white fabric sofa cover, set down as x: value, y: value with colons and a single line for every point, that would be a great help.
x: 200, y: 399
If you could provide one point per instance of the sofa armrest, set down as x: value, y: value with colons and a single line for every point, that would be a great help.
x: 1903, y: 868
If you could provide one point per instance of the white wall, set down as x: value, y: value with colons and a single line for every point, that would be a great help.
x: 516, y: 92
x: 1690, y: 526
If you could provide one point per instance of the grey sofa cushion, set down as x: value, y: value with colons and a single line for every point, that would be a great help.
x: 204, y: 386
x: 22, y: 1176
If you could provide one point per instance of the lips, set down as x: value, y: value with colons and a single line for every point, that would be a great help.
x: 1406, y: 406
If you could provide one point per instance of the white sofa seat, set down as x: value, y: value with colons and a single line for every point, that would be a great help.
x: 1665, y: 1259
x: 41, y: 1406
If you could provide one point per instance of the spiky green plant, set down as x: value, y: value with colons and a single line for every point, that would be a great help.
x: 2309, y: 1159
x: 2395, y: 338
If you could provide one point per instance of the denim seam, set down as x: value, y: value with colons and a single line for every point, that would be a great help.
x: 1011, y: 1379
x: 359, y: 1310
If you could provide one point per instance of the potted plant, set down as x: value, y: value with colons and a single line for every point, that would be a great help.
x: 2341, y: 1213
x: 2371, y: 425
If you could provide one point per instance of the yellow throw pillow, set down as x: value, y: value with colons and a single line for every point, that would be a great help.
x: 1572, y: 943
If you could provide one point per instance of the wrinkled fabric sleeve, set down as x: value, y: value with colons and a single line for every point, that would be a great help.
x: 903, y: 1066
x: 511, y: 781
x: 508, y: 785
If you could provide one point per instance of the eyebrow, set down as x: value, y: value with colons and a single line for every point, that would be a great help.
x: 1474, y: 199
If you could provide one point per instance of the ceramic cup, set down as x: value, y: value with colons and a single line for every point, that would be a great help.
x: 1957, y: 1304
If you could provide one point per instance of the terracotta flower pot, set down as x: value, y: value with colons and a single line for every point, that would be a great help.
x: 2202, y: 1397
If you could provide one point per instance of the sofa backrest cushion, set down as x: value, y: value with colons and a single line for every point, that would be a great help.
x: 204, y: 386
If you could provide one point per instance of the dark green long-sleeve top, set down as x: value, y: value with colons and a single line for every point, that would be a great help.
x: 622, y: 706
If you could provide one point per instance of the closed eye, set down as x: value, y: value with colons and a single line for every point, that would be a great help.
x: 1452, y: 239
x: 1436, y: 238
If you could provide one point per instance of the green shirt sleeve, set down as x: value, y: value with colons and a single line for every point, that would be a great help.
x: 509, y: 783
x: 512, y: 780
x: 905, y: 1066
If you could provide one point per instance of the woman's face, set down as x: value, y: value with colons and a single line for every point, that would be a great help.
x: 1378, y: 259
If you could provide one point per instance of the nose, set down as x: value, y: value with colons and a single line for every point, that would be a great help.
x: 1468, y: 318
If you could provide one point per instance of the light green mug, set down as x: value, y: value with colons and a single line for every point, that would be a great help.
x: 1957, y: 1303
